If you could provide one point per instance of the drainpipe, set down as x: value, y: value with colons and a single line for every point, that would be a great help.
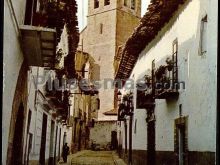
x: 11, y: 7
x: 125, y: 122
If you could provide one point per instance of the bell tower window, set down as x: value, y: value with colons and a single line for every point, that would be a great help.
x: 125, y: 2
x: 132, y: 4
x: 96, y: 4
x: 107, y: 2
x: 101, y: 28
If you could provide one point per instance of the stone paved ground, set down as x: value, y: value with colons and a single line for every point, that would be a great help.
x: 88, y: 157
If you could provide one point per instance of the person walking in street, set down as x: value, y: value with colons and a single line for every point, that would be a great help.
x: 65, y: 152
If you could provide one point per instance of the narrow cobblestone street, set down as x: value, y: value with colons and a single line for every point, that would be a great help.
x: 88, y: 157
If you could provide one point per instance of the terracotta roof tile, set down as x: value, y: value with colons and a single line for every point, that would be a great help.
x: 158, y: 14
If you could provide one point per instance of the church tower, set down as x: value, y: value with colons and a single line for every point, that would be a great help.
x: 109, y: 24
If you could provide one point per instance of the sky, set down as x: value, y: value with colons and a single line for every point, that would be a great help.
x: 83, y: 11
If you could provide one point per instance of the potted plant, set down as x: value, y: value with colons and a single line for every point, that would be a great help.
x: 59, y: 55
x: 160, y: 71
x: 147, y: 79
x: 170, y: 63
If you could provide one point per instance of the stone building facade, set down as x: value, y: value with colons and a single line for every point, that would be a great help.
x: 86, y: 103
x: 175, y: 126
x: 109, y: 25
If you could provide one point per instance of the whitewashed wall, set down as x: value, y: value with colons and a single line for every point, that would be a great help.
x: 140, y: 137
x: 199, y: 73
x: 12, y: 60
x: 69, y: 136
x: 37, y: 119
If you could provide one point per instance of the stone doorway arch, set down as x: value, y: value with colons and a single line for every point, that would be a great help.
x: 18, y: 118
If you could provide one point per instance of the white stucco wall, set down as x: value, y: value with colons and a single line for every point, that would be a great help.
x: 12, y: 60
x: 37, y: 119
x: 198, y: 72
x: 140, y: 137
x: 69, y: 136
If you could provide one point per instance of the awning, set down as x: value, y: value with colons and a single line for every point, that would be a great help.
x: 39, y: 45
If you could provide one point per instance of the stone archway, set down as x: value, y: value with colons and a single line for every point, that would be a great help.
x: 18, y: 118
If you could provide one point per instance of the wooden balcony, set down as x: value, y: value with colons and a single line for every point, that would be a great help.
x: 167, y: 94
x: 166, y: 79
x: 167, y: 89
x: 144, y: 100
x: 39, y: 45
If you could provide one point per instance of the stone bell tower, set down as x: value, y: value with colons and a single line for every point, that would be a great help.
x: 110, y: 23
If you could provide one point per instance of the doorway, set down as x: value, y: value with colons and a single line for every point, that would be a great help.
x: 151, y: 153
x: 55, y: 149
x: 43, y: 140
x: 180, y: 141
x: 181, y: 145
x: 51, y: 142
x: 114, y: 140
x: 59, y: 155
x: 18, y: 136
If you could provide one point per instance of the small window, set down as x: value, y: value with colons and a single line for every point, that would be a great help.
x: 107, y: 2
x: 96, y: 4
x: 101, y: 28
x: 203, y: 36
x: 132, y: 4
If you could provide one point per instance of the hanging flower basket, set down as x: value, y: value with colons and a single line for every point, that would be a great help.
x: 170, y: 63
x: 160, y: 72
x: 147, y: 79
